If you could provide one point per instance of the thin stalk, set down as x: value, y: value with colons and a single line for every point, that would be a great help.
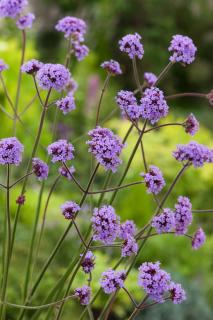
x: 164, y: 233
x: 28, y: 105
x: 109, y: 309
x: 163, y: 73
x: 79, y: 233
x: 101, y: 98
x: 138, y: 309
x: 187, y: 94
x: 116, y: 188
x: 130, y: 296
x: 164, y: 125
x: 20, y: 179
x: 136, y: 75
x: 37, y: 91
x: 73, y: 178
x: 203, y: 211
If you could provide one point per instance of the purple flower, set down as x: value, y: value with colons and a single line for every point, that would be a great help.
x: 194, y: 153
x: 80, y: 51
x: 112, y: 67
x: 198, y: 239
x: 83, y: 294
x: 127, y: 229
x: 129, y: 247
x: 150, y: 78
x: 153, y: 179
x: 61, y: 150
x: 183, y: 215
x: 191, y: 125
x: 53, y: 76
x: 21, y: 199
x: 40, y: 168
x: 31, y: 66
x: 106, y: 147
x: 153, y: 280
x: 72, y: 27
x: 3, y: 65
x: 164, y: 222
x: 177, y: 294
x: 112, y: 280
x: 153, y: 105
x: 11, y: 151
x: 26, y: 21
x: 11, y: 8
x: 128, y: 105
x: 132, y: 46
x: 182, y: 49
x: 66, y: 104
x: 69, y: 209
x: 72, y: 86
x: 63, y: 171
x: 105, y: 224
x: 88, y: 262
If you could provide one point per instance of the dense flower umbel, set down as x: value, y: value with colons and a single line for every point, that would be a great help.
x: 129, y: 247
x: 194, y: 153
x: 198, y: 239
x: 66, y: 104
x: 69, y: 209
x: 88, y: 262
x: 183, y: 215
x: 65, y: 173
x: 182, y: 49
x: 72, y: 27
x: 11, y: 8
x: 106, y: 147
x: 11, y: 151
x: 177, y: 293
x: 80, y: 51
x: 150, y: 78
x: 112, y: 280
x: 154, y: 180
x: 128, y: 105
x: 83, y: 294
x: 153, y: 105
x: 26, y: 21
x: 132, y: 46
x: 3, y: 65
x: 127, y: 229
x: 153, y: 280
x: 40, y: 168
x: 164, y: 222
x: 105, y: 224
x: 53, y: 76
x: 191, y: 125
x: 61, y: 150
x: 31, y: 66
x: 112, y: 67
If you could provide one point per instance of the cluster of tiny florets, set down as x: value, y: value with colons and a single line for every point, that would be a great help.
x: 128, y: 105
x: 83, y: 294
x: 127, y: 229
x: 150, y: 78
x: 40, y: 169
x: 69, y: 209
x: 66, y: 104
x: 177, y: 293
x: 182, y: 49
x: 11, y: 8
x: 61, y: 150
x: 129, y: 247
x: 3, y: 65
x: 154, y: 180
x: 88, y: 262
x: 182, y: 214
x: 191, y: 125
x: 112, y: 280
x: 198, y: 239
x: 112, y: 67
x: 11, y: 151
x: 131, y: 45
x: 164, y: 222
x: 31, y: 66
x: 71, y: 86
x: 25, y: 21
x: 65, y: 173
x: 72, y: 27
x: 80, y: 51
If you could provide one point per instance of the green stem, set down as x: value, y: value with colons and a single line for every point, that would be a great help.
x: 101, y: 98
x: 188, y: 94
x: 163, y: 73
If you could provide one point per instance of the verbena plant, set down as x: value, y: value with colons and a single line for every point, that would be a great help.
x: 143, y: 108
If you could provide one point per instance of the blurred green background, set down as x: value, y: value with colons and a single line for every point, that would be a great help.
x: 107, y: 22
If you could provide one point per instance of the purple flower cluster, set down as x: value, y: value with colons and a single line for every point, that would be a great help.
x: 61, y: 150
x: 194, y: 153
x: 127, y: 229
x: 177, y: 293
x: 11, y: 8
x: 26, y: 21
x: 72, y: 27
x: 131, y: 45
x: 154, y: 180
x: 53, y: 76
x: 31, y: 66
x: 191, y: 125
x: 66, y: 104
x: 106, y: 147
x: 80, y: 51
x: 164, y: 222
x: 112, y: 67
x: 88, y: 262
x: 3, y: 65
x: 105, y: 224
x: 72, y: 86
x: 129, y: 247
x: 150, y: 78
x: 83, y: 294
x: 182, y: 214
x: 112, y: 280
x: 153, y: 105
x: 65, y: 173
x: 69, y: 209
x: 182, y: 49
x: 40, y: 168
x: 128, y: 105
x: 11, y: 151
x: 198, y: 239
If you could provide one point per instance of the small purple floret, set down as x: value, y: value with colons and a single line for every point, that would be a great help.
x: 177, y: 293
x: 154, y: 180
x: 25, y: 22
x: 150, y: 78
x: 72, y: 27
x: 11, y: 151
x: 83, y: 294
x: 69, y: 209
x: 80, y: 51
x: 65, y: 173
x: 112, y: 280
x: 198, y: 239
x: 40, y: 169
x: 112, y: 67
x: 132, y: 46
x: 3, y: 65
x: 31, y: 66
x: 129, y: 247
x: 191, y: 125
x: 183, y: 215
x: 164, y: 222
x: 11, y: 8
x: 61, y: 150
x: 182, y: 49
x: 127, y: 229
x: 88, y: 262
x: 66, y: 104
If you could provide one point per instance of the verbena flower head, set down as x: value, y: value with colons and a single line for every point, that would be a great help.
x: 21, y: 199
x: 63, y: 171
x: 83, y: 294
x: 153, y: 280
x: 127, y: 229
x: 69, y: 209
x: 198, y: 239
x: 40, y: 168
x: 105, y: 224
x: 153, y: 105
x: 150, y: 78
x: 154, y: 180
x: 61, y: 150
x: 183, y: 215
x: 106, y: 147
x: 3, y: 65
x: 72, y: 27
x: 191, y: 125
x: 53, y: 76
x: 194, y: 153
x: 72, y: 86
x: 164, y: 222
x: 129, y: 247
x: 80, y: 51
x: 128, y: 105
x: 66, y: 104
x: 132, y: 46
x: 177, y: 293
x: 112, y: 67
x: 112, y: 280
x: 25, y: 22
x: 11, y: 8
x: 88, y: 262
x: 31, y: 66
x: 11, y: 151
x: 182, y: 49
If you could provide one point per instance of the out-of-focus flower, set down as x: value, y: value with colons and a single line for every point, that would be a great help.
x: 112, y: 67
x: 191, y: 125
x: 198, y: 239
x: 83, y: 294
x: 25, y: 22
x: 11, y: 151
x: 69, y: 209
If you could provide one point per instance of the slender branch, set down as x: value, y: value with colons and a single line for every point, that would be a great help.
x: 164, y: 125
x: 37, y: 91
x: 130, y: 296
x: 136, y: 75
x: 164, y: 233
x: 138, y: 308
x: 203, y: 211
x: 73, y: 178
x: 116, y: 188
x: 163, y: 73
x: 28, y: 105
x: 101, y: 98
x: 20, y: 179
x: 187, y: 94
x: 79, y: 233
x: 113, y: 245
